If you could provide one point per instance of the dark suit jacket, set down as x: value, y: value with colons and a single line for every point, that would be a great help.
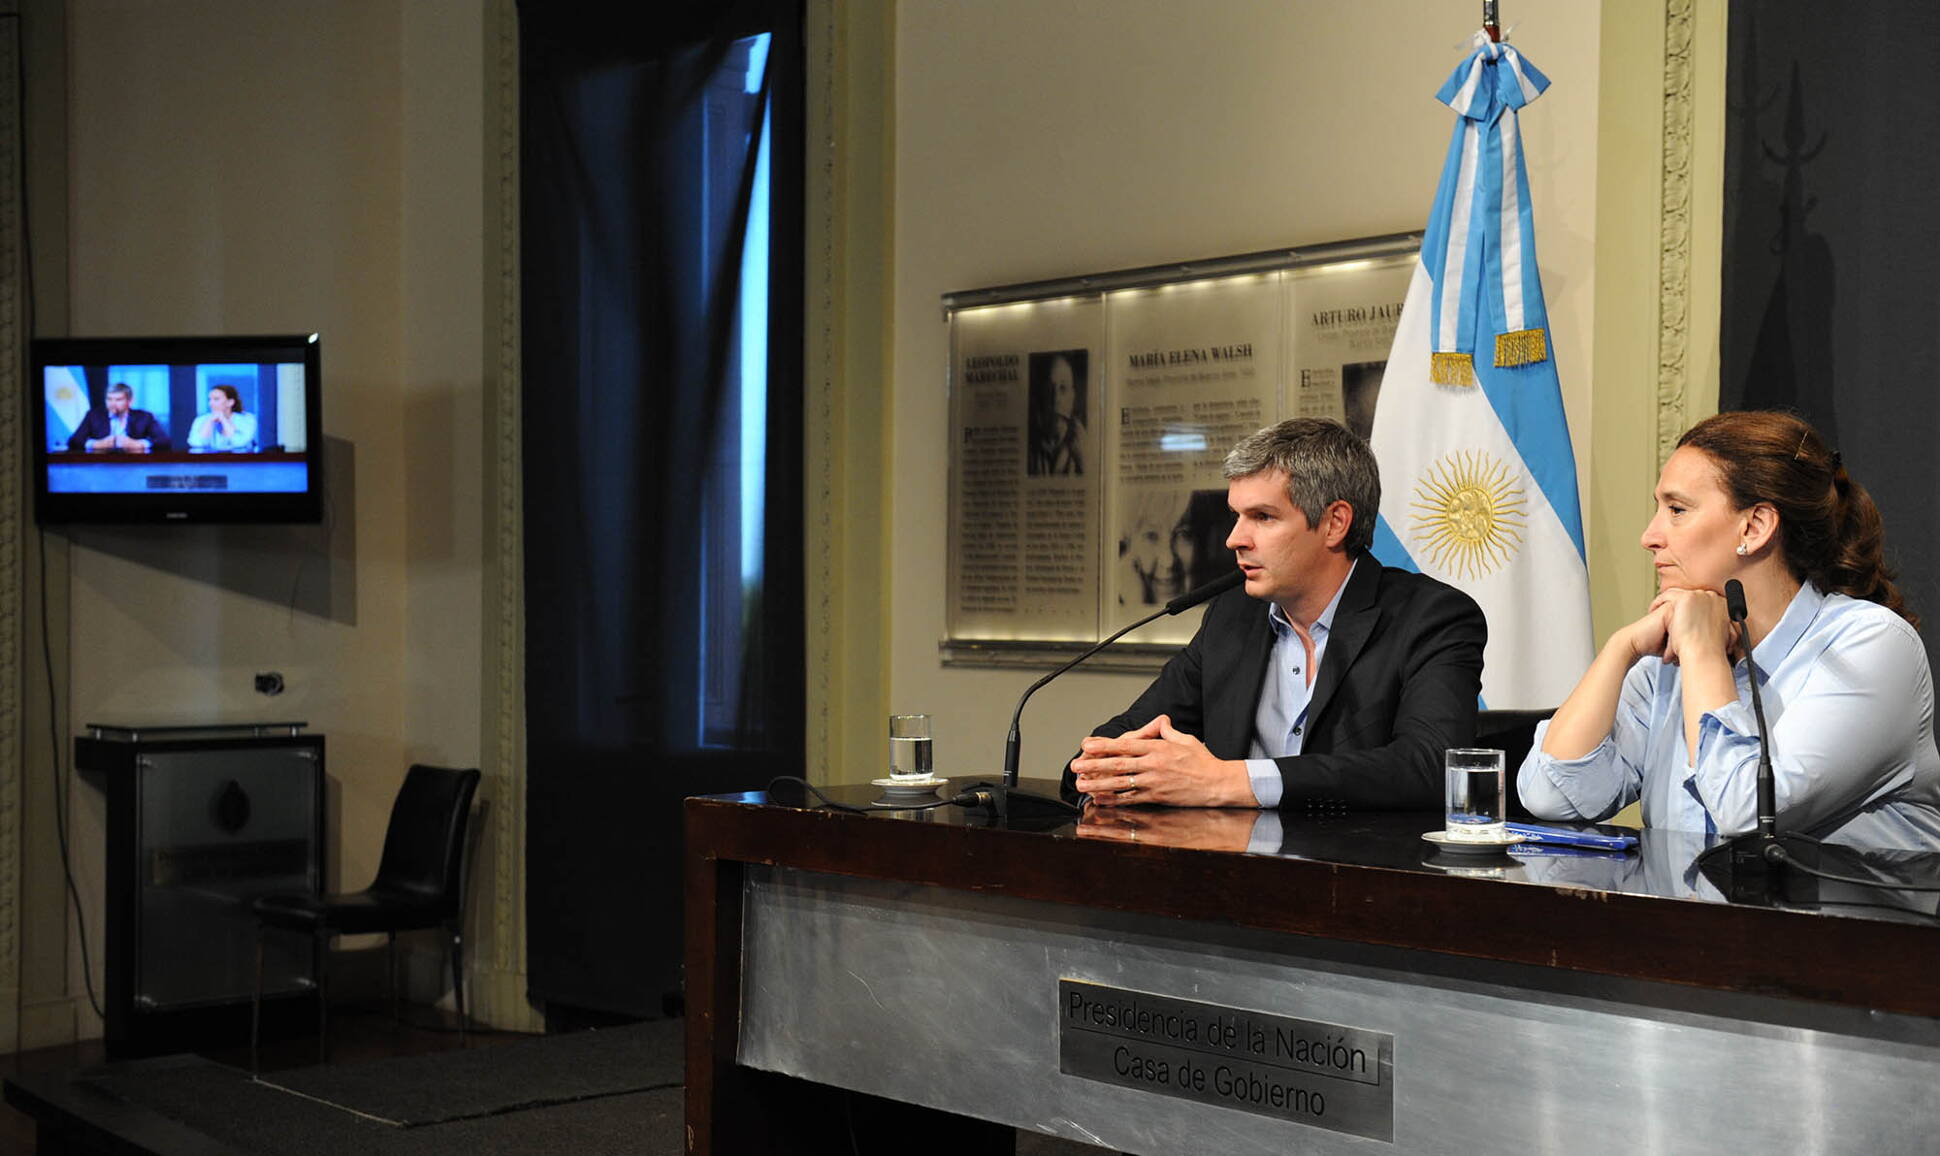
x: 1398, y: 685
x: 141, y: 426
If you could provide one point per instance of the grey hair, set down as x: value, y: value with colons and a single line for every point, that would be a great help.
x: 122, y: 387
x: 1325, y: 462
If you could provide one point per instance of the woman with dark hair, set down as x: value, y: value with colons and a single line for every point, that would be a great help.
x: 225, y: 427
x: 1664, y: 712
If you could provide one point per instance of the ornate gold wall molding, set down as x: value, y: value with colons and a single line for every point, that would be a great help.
x: 499, y: 961
x: 848, y: 329
x: 820, y: 570
x: 1674, y: 227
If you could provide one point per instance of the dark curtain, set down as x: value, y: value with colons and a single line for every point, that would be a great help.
x: 656, y: 667
x: 1831, y: 243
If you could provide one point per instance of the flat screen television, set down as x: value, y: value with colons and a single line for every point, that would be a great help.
x: 176, y: 429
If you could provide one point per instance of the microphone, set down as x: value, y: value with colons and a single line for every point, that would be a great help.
x: 1734, y: 600
x: 1734, y: 605
x: 1740, y: 867
x: 1188, y: 600
x: 985, y: 794
x: 1179, y: 605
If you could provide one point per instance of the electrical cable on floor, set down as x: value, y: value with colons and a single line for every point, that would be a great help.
x: 60, y: 807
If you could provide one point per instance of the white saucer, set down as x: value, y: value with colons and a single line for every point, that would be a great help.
x: 897, y: 792
x: 1471, y: 846
x: 929, y: 784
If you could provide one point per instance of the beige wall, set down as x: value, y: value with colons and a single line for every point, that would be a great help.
x: 442, y: 349
x: 1041, y: 138
x: 239, y: 167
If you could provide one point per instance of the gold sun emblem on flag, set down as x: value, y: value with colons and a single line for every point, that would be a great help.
x: 1468, y: 513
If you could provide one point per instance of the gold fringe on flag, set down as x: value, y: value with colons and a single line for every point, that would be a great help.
x: 1523, y: 347
x: 1451, y: 369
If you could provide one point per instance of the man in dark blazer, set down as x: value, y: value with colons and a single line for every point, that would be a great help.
x: 1329, y: 679
x: 119, y: 426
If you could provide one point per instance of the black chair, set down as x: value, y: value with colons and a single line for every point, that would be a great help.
x: 1512, y: 732
x: 419, y: 884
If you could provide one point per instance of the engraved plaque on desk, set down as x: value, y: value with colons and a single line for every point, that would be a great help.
x: 1320, y: 1074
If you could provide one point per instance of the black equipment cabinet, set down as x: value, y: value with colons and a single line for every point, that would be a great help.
x: 201, y: 821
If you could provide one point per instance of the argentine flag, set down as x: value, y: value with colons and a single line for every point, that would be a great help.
x: 1477, y: 476
x: 67, y: 404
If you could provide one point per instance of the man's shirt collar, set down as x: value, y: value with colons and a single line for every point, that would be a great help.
x: 1323, y: 625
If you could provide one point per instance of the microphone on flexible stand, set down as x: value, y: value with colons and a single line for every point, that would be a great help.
x: 1006, y: 798
x: 1749, y: 865
x: 1734, y: 604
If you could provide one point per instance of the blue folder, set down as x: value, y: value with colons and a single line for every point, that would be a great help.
x: 1564, y: 837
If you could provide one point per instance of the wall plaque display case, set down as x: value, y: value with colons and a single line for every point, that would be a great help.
x: 1090, y: 417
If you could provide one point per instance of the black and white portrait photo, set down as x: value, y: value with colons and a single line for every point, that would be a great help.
x: 1059, y: 406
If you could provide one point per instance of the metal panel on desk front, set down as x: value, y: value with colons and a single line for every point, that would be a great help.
x: 948, y: 999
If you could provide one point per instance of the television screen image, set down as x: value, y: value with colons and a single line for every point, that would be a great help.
x: 178, y: 429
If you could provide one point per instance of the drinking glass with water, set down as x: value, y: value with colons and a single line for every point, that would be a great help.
x: 1474, y: 811
x: 909, y: 746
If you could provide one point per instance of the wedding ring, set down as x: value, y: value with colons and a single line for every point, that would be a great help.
x: 1131, y: 782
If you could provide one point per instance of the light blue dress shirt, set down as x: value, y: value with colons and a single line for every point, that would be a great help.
x: 1280, y: 722
x: 1849, y: 700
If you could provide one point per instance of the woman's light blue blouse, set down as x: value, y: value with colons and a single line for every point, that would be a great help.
x: 1849, y: 700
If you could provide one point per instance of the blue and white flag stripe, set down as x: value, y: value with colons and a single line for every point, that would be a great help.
x: 1509, y: 228
x: 1446, y: 245
x: 1478, y: 475
x: 67, y: 403
x: 1480, y: 228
